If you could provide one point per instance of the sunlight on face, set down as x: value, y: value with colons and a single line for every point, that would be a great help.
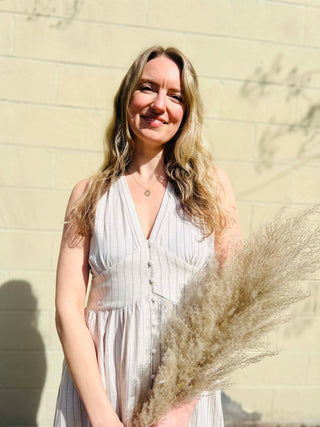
x: 156, y: 108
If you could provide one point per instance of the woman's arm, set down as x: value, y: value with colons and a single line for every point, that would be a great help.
x: 77, y: 343
x: 230, y: 237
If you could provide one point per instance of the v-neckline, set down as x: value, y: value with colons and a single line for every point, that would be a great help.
x: 134, y: 214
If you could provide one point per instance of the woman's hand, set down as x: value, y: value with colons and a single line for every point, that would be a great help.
x: 178, y: 417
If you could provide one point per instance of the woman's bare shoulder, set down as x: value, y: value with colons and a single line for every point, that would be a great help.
x: 225, y: 187
x: 77, y: 192
x: 79, y: 189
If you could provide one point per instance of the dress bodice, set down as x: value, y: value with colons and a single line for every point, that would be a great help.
x: 126, y: 266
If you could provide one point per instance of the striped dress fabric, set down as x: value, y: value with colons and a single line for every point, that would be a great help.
x: 135, y: 284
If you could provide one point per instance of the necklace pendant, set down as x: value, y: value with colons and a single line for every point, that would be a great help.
x: 147, y: 193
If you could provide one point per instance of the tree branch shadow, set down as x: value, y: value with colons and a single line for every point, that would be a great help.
x: 305, y: 130
x: 46, y: 8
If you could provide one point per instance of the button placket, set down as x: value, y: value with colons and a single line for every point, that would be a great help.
x: 154, y: 316
x: 150, y: 265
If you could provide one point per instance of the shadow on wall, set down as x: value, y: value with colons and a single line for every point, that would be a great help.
x: 293, y: 90
x: 234, y: 413
x: 22, y: 355
x: 48, y: 8
x: 285, y: 139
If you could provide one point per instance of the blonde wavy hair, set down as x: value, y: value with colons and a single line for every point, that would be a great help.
x: 188, y: 165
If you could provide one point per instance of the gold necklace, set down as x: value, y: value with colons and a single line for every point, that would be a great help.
x: 147, y: 191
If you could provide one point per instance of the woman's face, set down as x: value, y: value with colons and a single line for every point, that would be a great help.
x: 156, y: 108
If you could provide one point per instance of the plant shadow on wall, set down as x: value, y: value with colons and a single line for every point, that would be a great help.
x: 283, y: 146
x: 22, y: 355
x: 286, y: 140
x: 48, y: 8
x: 294, y: 142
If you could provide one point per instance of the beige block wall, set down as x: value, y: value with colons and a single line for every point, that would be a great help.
x: 61, y: 62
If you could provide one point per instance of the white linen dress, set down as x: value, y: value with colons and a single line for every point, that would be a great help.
x: 135, y: 283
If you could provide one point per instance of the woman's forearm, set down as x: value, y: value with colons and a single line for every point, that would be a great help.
x: 81, y: 359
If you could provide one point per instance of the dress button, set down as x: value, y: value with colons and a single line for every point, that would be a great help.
x: 153, y: 376
x: 149, y: 244
x: 153, y: 300
x: 149, y: 263
x: 153, y: 351
x: 151, y: 281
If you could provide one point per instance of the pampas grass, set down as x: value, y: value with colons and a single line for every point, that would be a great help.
x: 221, y: 323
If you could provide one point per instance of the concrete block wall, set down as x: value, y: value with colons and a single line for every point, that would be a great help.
x: 61, y: 62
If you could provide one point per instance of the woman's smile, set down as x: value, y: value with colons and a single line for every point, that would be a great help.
x: 154, y: 121
x: 156, y: 108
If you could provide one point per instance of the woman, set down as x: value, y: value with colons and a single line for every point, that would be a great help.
x: 143, y: 225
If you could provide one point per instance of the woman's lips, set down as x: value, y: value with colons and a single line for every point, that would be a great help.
x: 154, y: 121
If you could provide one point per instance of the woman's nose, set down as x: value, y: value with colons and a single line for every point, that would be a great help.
x: 159, y: 103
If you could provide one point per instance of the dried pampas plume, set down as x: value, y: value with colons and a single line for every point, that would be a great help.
x: 221, y: 323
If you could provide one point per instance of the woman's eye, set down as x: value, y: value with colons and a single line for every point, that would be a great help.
x: 146, y: 89
x: 177, y: 98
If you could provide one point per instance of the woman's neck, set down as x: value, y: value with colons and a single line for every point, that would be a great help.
x: 147, y: 163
